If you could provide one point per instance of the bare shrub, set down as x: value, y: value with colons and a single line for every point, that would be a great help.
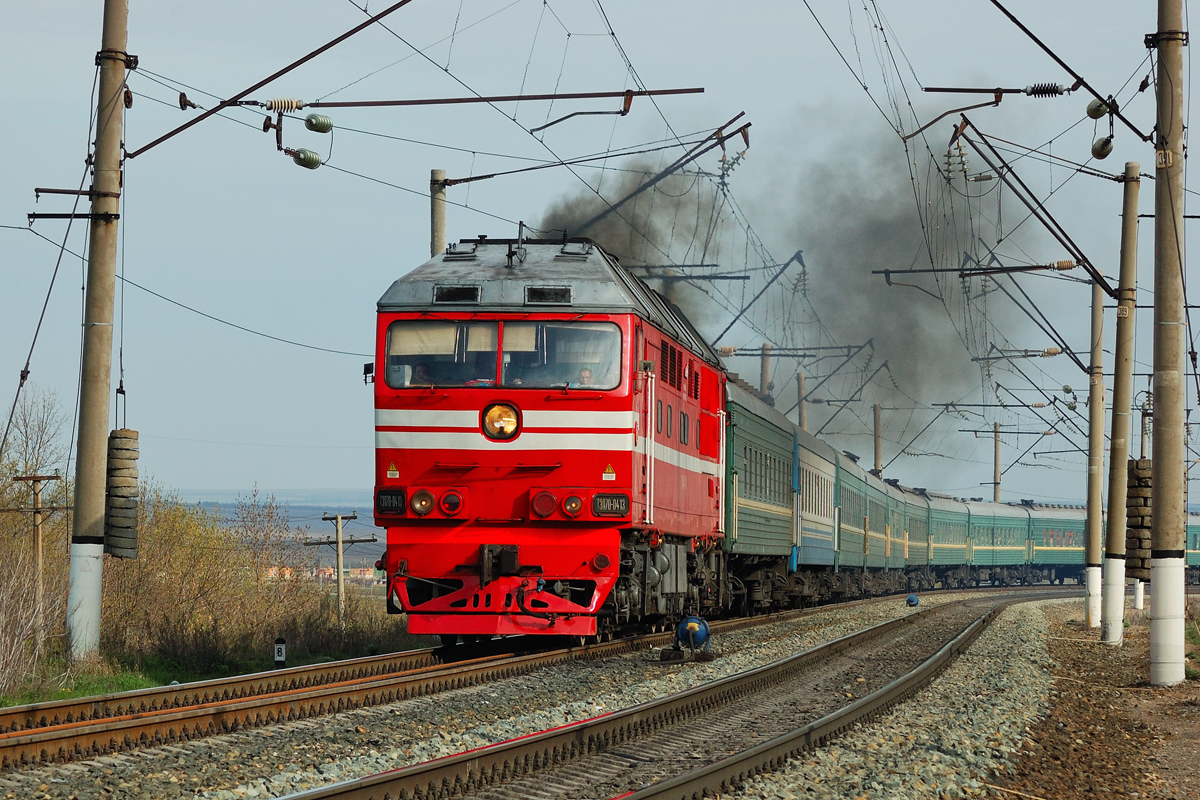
x: 212, y: 597
x: 18, y: 651
x: 35, y: 447
x: 199, y: 593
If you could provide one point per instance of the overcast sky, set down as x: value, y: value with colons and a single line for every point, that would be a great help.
x: 215, y: 219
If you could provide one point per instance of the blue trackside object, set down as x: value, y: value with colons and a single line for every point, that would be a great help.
x: 913, y: 601
x: 692, y: 632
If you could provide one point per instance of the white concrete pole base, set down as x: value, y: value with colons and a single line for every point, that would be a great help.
x: 1112, y: 616
x: 83, y: 605
x: 1167, y: 622
x: 1092, y: 599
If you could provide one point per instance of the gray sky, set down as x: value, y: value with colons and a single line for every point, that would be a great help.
x: 217, y: 220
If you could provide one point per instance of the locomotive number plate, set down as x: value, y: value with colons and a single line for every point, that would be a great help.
x: 390, y: 501
x: 610, y: 505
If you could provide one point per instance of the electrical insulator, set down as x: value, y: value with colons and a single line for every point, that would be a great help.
x: 1044, y: 90
x: 285, y: 104
x: 307, y: 158
x: 319, y: 123
x: 1063, y: 266
x: 1102, y: 147
x: 1050, y: 351
x: 1097, y: 109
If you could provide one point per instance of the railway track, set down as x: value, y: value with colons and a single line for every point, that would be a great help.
x: 679, y: 746
x: 177, y: 696
x: 80, y: 728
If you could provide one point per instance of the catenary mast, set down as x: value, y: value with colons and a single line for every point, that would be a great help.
x: 87, y: 535
x: 1169, y: 493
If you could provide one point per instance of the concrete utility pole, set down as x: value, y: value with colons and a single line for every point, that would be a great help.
x: 1147, y: 416
x: 1169, y: 493
x: 39, y: 603
x: 878, y: 442
x: 87, y: 536
x: 437, y: 212
x: 341, y: 578
x: 338, y: 543
x: 802, y: 394
x: 1095, y: 469
x: 996, y: 464
x: 1112, y: 613
x: 764, y: 370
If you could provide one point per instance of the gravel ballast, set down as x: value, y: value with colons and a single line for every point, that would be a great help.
x: 288, y: 758
x: 969, y: 723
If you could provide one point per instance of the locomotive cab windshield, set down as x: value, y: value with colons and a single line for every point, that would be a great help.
x: 522, y: 354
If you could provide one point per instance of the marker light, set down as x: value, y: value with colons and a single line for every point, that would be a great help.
x: 451, y: 503
x: 572, y: 506
x: 543, y: 503
x: 422, y: 502
x: 501, y: 421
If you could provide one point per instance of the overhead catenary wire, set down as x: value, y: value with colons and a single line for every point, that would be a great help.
x: 513, y: 119
x: 62, y: 248
x: 377, y: 18
x: 204, y: 314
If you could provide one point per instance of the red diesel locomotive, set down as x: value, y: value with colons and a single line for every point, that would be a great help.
x: 549, y: 446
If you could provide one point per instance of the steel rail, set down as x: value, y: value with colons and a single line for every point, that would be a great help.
x: 476, y: 769
x: 73, y: 729
x: 146, y: 718
x: 177, y: 696
x: 69, y: 741
x: 79, y: 709
x: 721, y: 776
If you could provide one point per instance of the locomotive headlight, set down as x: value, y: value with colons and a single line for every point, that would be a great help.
x: 572, y: 505
x: 422, y: 502
x: 501, y: 421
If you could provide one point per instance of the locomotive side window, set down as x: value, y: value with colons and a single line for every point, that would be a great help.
x: 441, y: 353
x: 543, y: 355
x: 658, y: 417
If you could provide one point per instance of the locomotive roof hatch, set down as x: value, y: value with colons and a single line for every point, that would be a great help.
x: 533, y: 275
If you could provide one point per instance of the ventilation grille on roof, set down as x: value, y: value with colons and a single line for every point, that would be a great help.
x: 548, y: 295
x: 456, y: 294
